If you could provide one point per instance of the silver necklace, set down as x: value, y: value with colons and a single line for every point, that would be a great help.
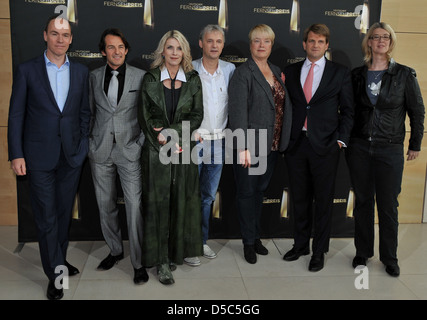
x: 378, y: 74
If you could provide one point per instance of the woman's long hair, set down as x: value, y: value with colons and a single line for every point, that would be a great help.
x: 186, y: 62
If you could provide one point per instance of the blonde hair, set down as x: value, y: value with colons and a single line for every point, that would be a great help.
x: 186, y: 62
x: 262, y: 28
x: 367, y: 51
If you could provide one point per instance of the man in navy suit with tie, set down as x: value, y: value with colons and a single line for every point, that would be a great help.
x: 48, y: 141
x: 322, y: 99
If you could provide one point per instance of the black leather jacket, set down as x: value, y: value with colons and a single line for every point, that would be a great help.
x: 385, y: 122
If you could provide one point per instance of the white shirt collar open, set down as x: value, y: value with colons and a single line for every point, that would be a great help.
x: 164, y: 75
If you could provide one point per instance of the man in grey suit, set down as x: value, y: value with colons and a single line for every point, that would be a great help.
x: 115, y: 148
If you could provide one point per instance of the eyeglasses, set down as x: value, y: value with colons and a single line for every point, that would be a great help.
x: 377, y: 37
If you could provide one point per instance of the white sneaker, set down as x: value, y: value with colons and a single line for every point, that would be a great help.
x: 208, y: 252
x: 192, y: 261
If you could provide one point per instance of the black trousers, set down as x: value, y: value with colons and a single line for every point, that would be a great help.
x: 311, y: 183
x: 52, y: 196
x: 376, y: 174
x: 250, y: 194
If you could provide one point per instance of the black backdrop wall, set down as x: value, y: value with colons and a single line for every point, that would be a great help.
x: 144, y: 22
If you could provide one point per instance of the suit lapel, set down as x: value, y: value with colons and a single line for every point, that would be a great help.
x: 72, y: 83
x: 128, y: 80
x: 45, y: 81
x: 297, y: 80
x: 278, y: 77
x: 155, y: 91
x: 259, y: 77
x: 187, y: 93
x: 326, y: 77
x: 100, y: 78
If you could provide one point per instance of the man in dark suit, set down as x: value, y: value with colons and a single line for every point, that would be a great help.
x: 115, y: 148
x: 322, y: 99
x: 48, y: 141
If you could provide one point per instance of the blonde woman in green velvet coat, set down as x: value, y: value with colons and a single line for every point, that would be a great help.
x: 172, y: 108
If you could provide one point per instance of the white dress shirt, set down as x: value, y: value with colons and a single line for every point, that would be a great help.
x: 319, y: 67
x: 215, y: 98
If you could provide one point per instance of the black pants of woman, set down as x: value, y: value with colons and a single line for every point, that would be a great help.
x: 250, y: 194
x: 376, y: 173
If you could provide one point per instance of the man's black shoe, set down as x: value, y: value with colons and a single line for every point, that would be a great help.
x: 249, y: 253
x: 393, y: 270
x: 72, y: 270
x: 317, y: 262
x: 141, y: 275
x: 259, y: 248
x: 109, y: 262
x: 294, y: 254
x: 53, y: 293
x: 358, y: 261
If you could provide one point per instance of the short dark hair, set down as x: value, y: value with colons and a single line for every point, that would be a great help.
x: 319, y: 29
x: 113, y: 32
x: 56, y: 16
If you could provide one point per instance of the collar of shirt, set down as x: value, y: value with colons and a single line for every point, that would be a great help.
x: 164, y: 75
x: 317, y: 72
x: 50, y: 63
x: 202, y: 70
x: 59, y: 79
x: 121, y: 69
x: 321, y: 62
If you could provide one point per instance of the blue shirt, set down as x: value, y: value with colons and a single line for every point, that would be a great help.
x: 59, y: 79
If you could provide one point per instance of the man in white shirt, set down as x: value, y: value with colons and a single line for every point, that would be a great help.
x: 215, y: 75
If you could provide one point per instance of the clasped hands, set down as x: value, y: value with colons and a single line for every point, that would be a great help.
x: 162, y: 140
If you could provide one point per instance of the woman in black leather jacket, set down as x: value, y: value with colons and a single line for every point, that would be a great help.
x: 384, y: 92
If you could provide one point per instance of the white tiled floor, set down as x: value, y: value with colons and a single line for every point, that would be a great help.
x: 228, y: 277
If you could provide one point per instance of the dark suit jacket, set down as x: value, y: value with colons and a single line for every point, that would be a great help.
x: 330, y: 111
x: 37, y: 129
x: 251, y: 105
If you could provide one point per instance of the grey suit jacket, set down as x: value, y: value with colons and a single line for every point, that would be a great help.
x: 120, y: 124
x: 251, y: 106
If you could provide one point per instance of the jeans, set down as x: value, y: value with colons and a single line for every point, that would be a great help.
x: 376, y: 174
x: 211, y: 159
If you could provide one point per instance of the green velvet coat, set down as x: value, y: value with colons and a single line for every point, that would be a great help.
x: 172, y: 219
